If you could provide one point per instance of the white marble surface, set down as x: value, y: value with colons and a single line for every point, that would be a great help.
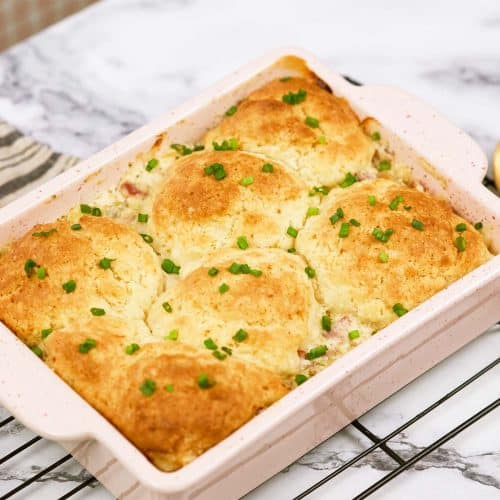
x: 94, y: 77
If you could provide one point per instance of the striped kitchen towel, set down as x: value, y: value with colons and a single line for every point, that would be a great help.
x: 26, y: 163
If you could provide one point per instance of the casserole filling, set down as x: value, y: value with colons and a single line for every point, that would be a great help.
x: 218, y: 276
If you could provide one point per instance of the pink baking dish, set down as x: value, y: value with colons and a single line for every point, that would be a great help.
x: 443, y: 158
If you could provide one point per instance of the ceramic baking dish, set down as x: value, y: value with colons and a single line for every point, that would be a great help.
x: 443, y: 158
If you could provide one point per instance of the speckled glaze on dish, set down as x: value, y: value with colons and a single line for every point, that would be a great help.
x: 443, y: 158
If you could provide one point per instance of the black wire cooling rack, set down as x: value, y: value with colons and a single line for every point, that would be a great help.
x: 401, y: 465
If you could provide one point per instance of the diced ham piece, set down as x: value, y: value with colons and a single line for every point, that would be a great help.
x: 129, y: 189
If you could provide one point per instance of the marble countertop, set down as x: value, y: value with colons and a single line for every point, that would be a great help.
x: 94, y: 77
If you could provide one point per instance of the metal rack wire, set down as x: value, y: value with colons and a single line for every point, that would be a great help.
x: 401, y: 465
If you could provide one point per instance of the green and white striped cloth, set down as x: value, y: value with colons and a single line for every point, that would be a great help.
x: 26, y: 163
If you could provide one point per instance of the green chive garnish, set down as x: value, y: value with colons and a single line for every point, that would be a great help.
x: 147, y: 238
x: 97, y: 311
x: 326, y: 323
x: 37, y: 351
x: 240, y: 335
x: 383, y: 257
x: 384, y: 165
x: 85, y: 209
x: 170, y: 267
x: 393, y: 205
x: 285, y: 79
x: 223, y: 288
x: 312, y: 122
x: 381, y: 235
x: 246, y: 181
x: 213, y: 271
x: 227, y: 350
x: 324, y: 190
x: 204, y: 382
x: 407, y: 207
x: 231, y: 111
x: 339, y: 214
x: 376, y: 136
x: 41, y: 272
x: 418, y: 225
x: 210, y: 344
x: 316, y: 352
x: 29, y: 265
x: 349, y: 180
x: 148, y: 387
x: 478, y: 226
x: 167, y: 307
x: 151, y: 164
x: 268, y: 168
x: 219, y: 355
x: 76, y: 227
x: 142, y: 217
x: 311, y: 273
x: 226, y: 145
x: 172, y: 335
x: 169, y: 387
x: 353, y: 334
x: 184, y: 150
x: 460, y: 243
x: 46, y: 332
x: 372, y: 200
x: 69, y: 286
x: 399, y: 309
x: 217, y: 170
x: 300, y: 379
x: 344, y: 230
x: 131, y: 348
x: 291, y: 231
x: 322, y: 139
x: 96, y: 212
x: 311, y: 211
x: 291, y: 250
x: 87, y: 345
x: 105, y: 263
x: 354, y: 222
x: 242, y: 242
x: 294, y: 98
x: 460, y: 228
x: 45, y: 234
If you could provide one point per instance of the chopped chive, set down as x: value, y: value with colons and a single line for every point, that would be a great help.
x: 384, y: 165
x: 97, y: 311
x: 37, y: 351
x: 316, y: 352
x: 182, y: 149
x: 213, y: 271
x: 255, y: 272
x: 418, y: 225
x: 87, y: 345
x: 460, y: 228
x: 167, y: 307
x: 204, y: 382
x: 354, y: 222
x: 349, y: 180
x: 326, y: 323
x: 41, y: 272
x: 69, y: 286
x: 147, y: 238
x: 311, y: 273
x: 105, y: 263
x: 300, y: 379
x: 311, y: 122
x: 131, y: 348
x: 322, y: 139
x: 227, y: 350
x: 226, y: 145
x: 223, y: 288
x: 246, y: 181
x: 339, y: 214
x: 383, y: 257
x: 217, y: 170
x: 46, y: 332
x: 234, y: 268
x: 240, y: 335
x: 460, y: 243
x: 344, y: 230
x: 393, y: 205
x: 311, y: 211
x: 324, y: 190
x: 172, y: 335
x: 242, y: 242
x: 148, y: 387
x: 169, y: 387
x: 407, y: 207
x: 170, y: 267
x: 291, y: 231
x: 142, y: 217
x: 210, y: 344
x: 376, y: 136
x: 76, y: 227
x: 381, y: 235
x: 353, y: 334
x: 151, y: 164
x: 399, y: 309
x: 96, y: 212
x: 285, y: 79
x: 231, y: 111
x: 372, y: 200
x: 291, y: 250
x: 29, y: 265
x: 85, y: 209
x: 219, y: 355
x: 294, y: 98
x: 478, y: 226
x: 45, y: 234
x: 268, y: 168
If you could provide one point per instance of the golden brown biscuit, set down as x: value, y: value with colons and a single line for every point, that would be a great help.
x: 53, y: 275
x: 194, y: 213
x: 276, y: 311
x: 155, y: 395
x: 359, y: 275
x: 319, y: 137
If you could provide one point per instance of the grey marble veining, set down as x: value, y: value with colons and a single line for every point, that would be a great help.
x: 93, y: 78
